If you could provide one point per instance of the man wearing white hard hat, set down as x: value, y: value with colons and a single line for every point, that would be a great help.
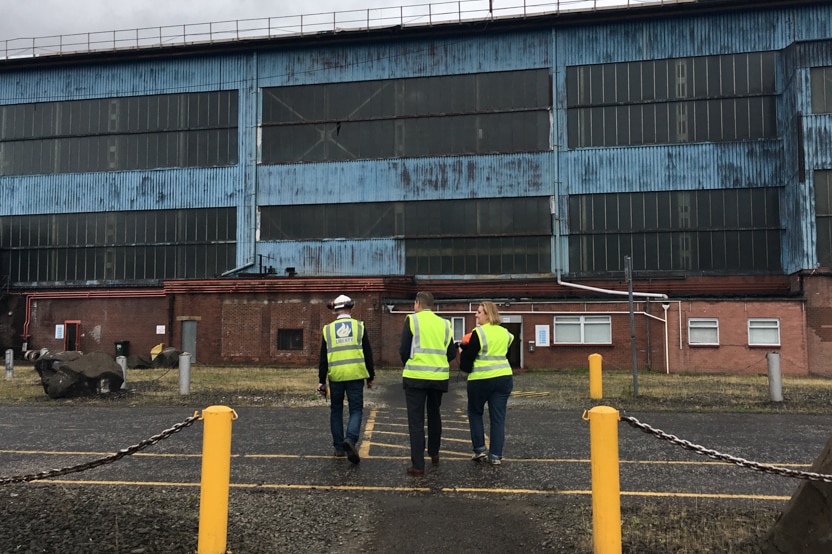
x: 347, y: 361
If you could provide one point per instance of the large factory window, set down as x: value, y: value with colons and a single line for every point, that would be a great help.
x: 123, y: 246
x: 196, y: 129
x: 823, y: 216
x: 821, y: 89
x: 717, y: 231
x: 427, y: 116
x: 705, y: 99
x: 483, y: 236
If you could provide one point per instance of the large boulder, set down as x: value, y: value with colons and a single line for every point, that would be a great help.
x: 71, y: 374
x: 805, y: 525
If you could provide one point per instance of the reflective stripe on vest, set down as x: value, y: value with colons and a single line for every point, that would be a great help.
x: 491, y: 361
x: 344, y: 353
x: 429, y: 349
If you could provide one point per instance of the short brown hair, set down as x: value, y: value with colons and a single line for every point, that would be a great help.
x: 425, y: 299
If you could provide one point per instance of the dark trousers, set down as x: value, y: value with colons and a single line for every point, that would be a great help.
x: 417, y: 401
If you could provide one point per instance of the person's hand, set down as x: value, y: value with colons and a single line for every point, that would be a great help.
x: 369, y: 383
x: 321, y: 390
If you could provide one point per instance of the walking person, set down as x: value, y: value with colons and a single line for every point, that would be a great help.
x: 347, y: 361
x: 490, y: 381
x: 426, y: 349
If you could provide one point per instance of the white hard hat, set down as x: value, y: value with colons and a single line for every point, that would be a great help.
x: 340, y: 303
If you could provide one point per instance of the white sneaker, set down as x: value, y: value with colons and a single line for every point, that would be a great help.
x: 479, y: 456
x: 495, y: 461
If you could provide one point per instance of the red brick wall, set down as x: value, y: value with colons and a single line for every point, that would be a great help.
x: 818, y: 293
x: 242, y: 328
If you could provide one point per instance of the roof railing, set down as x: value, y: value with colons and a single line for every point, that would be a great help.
x: 426, y: 15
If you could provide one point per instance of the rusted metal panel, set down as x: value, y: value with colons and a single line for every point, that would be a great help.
x: 691, y: 166
x: 509, y: 175
x: 335, y: 257
x: 401, y: 59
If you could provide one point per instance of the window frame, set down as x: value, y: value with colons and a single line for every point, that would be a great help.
x: 762, y: 324
x: 703, y: 324
x: 583, y: 321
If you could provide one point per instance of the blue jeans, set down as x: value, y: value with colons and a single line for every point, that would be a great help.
x: 354, y: 391
x: 495, y: 393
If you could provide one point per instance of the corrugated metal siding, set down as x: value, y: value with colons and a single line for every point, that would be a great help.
x: 336, y: 257
x: 680, y: 37
x: 653, y: 168
x: 439, y: 56
x: 407, y: 179
x: 123, y: 190
x: 122, y: 79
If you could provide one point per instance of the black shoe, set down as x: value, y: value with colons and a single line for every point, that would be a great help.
x: 434, y: 459
x: 340, y: 454
x: 415, y: 472
x: 352, y: 453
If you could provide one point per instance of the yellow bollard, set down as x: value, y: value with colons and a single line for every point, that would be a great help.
x: 596, y: 384
x: 216, y: 475
x: 606, y: 488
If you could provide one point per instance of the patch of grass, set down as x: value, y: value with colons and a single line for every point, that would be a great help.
x: 552, y: 389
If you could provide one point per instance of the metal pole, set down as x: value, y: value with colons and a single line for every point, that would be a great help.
x: 9, y: 363
x: 122, y: 361
x: 606, y: 485
x: 216, y: 476
x: 184, y: 374
x: 628, y: 268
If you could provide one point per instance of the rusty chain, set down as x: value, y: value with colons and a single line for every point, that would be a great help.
x: 713, y: 454
x: 103, y: 461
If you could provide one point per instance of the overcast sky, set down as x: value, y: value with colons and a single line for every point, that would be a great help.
x: 39, y: 18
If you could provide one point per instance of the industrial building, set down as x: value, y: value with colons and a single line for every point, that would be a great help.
x: 648, y: 180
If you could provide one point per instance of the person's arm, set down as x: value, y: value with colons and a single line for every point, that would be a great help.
x: 368, y: 360
x: 406, y: 342
x: 323, y: 364
x: 452, y: 349
x: 469, y: 354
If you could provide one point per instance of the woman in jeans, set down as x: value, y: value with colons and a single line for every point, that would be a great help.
x: 489, y: 381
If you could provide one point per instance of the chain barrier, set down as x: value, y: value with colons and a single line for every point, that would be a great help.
x: 713, y: 454
x: 103, y: 461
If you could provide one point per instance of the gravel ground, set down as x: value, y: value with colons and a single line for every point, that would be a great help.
x: 50, y: 518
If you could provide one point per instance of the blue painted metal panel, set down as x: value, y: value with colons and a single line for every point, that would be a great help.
x: 386, y: 60
x: 73, y: 82
x: 407, y: 179
x: 653, y: 168
x: 336, y: 257
x: 694, y: 35
x: 123, y: 190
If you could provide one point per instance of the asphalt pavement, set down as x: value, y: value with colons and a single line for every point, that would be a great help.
x: 547, y: 452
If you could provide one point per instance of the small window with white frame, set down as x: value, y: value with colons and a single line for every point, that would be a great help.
x: 458, y: 326
x: 582, y: 329
x: 703, y: 331
x: 763, y: 332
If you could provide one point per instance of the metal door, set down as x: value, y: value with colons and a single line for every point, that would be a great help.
x: 189, y: 338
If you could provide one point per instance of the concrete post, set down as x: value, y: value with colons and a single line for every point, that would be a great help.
x: 9, y: 363
x: 775, y: 388
x: 184, y: 374
x: 122, y: 361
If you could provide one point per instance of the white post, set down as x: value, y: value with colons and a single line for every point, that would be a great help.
x: 122, y: 361
x: 665, y: 307
x: 184, y: 373
x: 9, y: 363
